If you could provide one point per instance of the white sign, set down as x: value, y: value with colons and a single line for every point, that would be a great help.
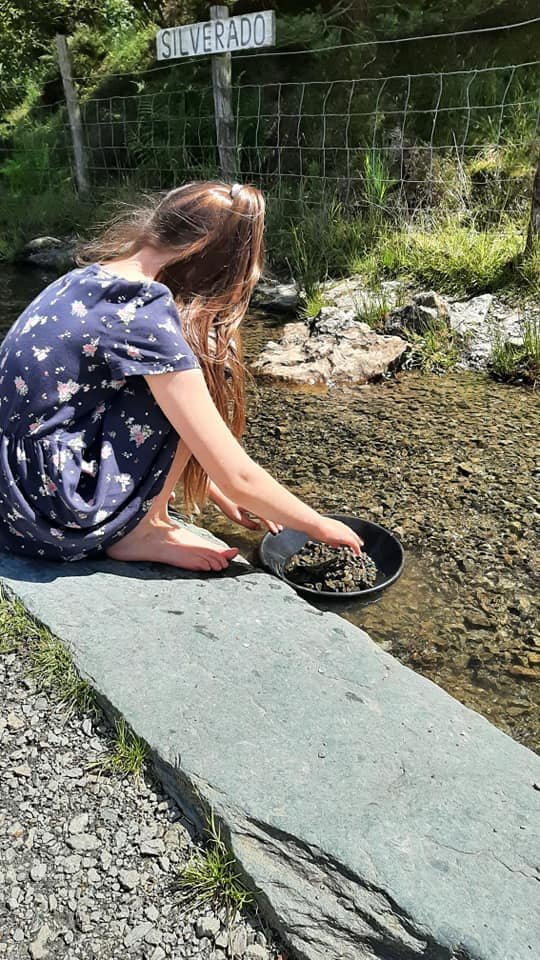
x: 217, y: 36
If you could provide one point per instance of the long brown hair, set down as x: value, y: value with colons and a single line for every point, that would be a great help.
x: 215, y: 236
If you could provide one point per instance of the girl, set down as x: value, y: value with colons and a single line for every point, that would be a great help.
x: 125, y: 376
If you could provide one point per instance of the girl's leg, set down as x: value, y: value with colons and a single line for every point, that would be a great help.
x: 156, y: 538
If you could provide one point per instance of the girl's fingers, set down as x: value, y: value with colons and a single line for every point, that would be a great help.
x: 248, y: 522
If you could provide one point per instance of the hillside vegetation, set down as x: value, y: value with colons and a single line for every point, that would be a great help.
x: 436, y: 182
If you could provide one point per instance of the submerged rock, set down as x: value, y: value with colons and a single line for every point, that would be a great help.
x: 50, y: 253
x: 331, y: 348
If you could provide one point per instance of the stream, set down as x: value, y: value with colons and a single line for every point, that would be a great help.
x: 451, y: 464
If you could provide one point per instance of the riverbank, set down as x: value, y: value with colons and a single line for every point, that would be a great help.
x: 450, y: 463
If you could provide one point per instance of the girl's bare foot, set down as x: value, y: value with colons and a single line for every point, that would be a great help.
x: 160, y: 541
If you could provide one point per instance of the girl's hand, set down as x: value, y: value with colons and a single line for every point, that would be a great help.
x: 337, y: 534
x: 238, y: 515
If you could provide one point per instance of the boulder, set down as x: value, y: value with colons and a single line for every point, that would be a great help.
x: 275, y: 296
x: 425, y: 310
x: 373, y: 815
x: 50, y: 253
x: 334, y: 347
x: 351, y: 293
x: 478, y: 322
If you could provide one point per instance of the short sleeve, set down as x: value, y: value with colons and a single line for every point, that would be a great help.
x: 144, y: 336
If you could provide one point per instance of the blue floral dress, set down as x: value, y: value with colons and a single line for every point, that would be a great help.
x: 84, y: 447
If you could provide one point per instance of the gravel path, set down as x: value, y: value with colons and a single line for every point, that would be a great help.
x: 88, y: 863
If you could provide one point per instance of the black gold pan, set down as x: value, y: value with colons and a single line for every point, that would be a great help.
x: 381, y: 545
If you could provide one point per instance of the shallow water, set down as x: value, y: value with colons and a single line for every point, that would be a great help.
x: 450, y: 464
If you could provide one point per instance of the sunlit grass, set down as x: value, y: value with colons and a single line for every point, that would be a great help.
x: 14, y: 623
x: 53, y: 670
x: 127, y: 757
x: 518, y: 361
x: 211, y: 875
x: 50, y: 664
x: 454, y: 258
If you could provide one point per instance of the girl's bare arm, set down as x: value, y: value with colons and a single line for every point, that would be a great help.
x: 187, y: 404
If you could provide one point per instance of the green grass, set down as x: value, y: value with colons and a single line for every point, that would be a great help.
x: 211, y: 876
x: 528, y: 270
x: 518, y: 362
x: 49, y: 663
x: 313, y: 303
x: 376, y: 180
x: 433, y: 350
x: 53, y: 670
x: 128, y: 756
x: 454, y: 258
x: 450, y: 253
x: 14, y: 624
x: 375, y: 309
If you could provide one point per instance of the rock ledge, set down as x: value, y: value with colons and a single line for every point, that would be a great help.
x: 374, y: 814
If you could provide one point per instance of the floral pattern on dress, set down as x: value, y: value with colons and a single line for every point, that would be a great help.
x: 84, y: 448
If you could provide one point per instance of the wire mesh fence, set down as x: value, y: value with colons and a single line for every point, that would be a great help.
x: 403, y: 142
x: 369, y: 140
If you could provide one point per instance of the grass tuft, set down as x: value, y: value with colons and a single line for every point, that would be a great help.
x: 313, y: 303
x: 128, y: 756
x: 518, y: 361
x: 374, y: 309
x: 211, y: 876
x: 14, y: 623
x: 434, y: 350
x: 51, y: 665
x: 53, y: 670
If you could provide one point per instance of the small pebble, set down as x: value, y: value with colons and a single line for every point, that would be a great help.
x: 78, y: 824
x: 158, y: 954
x: 137, y: 933
x: 83, y: 841
x: 129, y: 879
x: 14, y: 722
x: 23, y: 770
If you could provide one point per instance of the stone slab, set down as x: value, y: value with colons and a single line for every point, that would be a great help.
x: 375, y: 815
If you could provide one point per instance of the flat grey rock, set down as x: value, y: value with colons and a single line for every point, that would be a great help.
x: 376, y: 816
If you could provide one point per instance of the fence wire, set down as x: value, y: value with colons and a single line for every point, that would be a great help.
x: 371, y: 140
x: 404, y: 141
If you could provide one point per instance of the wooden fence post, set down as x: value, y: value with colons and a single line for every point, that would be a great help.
x: 74, y: 115
x: 534, y: 221
x: 222, y: 87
